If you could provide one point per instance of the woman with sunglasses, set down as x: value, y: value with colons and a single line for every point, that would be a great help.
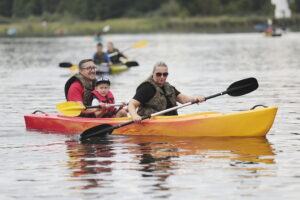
x: 155, y: 94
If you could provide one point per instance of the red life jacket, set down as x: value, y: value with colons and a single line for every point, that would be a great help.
x: 109, y: 99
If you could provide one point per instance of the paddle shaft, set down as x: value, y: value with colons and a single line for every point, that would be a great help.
x: 109, y: 129
x: 186, y: 104
x: 157, y: 113
x: 236, y: 89
x: 230, y: 90
x: 216, y: 95
x: 170, y: 109
x: 87, y: 107
x: 134, y: 46
x: 116, y: 53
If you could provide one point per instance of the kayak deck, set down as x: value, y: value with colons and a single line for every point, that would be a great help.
x: 245, y: 123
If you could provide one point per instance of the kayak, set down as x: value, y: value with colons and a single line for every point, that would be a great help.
x: 113, y: 69
x: 256, y: 122
x: 116, y: 67
x: 273, y: 34
x: 104, y: 69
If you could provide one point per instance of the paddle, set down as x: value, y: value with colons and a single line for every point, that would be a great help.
x: 68, y: 65
x: 73, y: 108
x: 135, y: 46
x: 238, y: 88
x: 65, y: 64
x: 131, y: 63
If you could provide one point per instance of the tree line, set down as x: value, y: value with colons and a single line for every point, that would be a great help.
x: 109, y: 9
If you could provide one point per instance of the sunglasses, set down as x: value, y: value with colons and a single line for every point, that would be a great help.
x: 158, y: 74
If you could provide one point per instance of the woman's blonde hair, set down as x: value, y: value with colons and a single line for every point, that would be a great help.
x: 159, y: 64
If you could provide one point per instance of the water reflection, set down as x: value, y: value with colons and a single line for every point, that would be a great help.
x: 244, y: 149
x: 84, y: 161
x: 158, y: 158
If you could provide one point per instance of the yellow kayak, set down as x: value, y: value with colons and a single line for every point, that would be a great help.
x: 248, y: 123
x: 113, y: 69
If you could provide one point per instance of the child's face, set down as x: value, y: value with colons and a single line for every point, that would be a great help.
x: 102, y: 89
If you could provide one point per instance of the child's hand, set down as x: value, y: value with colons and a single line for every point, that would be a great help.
x: 103, y: 105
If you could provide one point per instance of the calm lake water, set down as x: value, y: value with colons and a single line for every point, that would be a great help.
x: 36, y: 165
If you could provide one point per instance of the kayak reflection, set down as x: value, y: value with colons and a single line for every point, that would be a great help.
x: 160, y: 157
x: 243, y: 149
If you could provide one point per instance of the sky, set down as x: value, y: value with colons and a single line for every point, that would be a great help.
x: 282, y: 9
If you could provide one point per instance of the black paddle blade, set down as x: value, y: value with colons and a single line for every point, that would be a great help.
x: 242, y: 87
x: 96, y: 131
x: 65, y: 64
x: 132, y: 64
x: 98, y: 140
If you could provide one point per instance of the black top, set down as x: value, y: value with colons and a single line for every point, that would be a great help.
x: 146, y: 91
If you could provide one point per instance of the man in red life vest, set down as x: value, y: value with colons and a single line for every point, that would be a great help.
x: 103, y: 96
x: 80, y: 86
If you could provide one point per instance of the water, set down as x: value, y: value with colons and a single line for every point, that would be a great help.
x: 50, y: 166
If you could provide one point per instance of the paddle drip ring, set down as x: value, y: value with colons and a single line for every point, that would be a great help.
x: 259, y: 105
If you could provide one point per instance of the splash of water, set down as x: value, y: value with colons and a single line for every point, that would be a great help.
x: 282, y: 9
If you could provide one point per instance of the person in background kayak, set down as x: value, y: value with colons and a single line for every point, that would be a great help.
x: 80, y: 86
x: 116, y: 54
x: 103, y: 96
x: 100, y: 57
x: 155, y: 94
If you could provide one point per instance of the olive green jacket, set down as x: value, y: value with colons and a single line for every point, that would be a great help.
x: 159, y: 101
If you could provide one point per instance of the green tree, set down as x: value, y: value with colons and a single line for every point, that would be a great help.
x: 104, y: 9
x: 19, y: 8
x: 6, y: 8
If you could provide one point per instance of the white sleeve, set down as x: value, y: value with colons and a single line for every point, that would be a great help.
x: 95, y: 102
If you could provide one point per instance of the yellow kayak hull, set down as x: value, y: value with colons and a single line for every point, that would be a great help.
x: 113, y: 69
x: 117, y: 68
x: 245, y: 123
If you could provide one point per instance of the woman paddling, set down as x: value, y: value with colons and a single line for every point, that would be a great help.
x: 155, y: 94
x: 116, y: 54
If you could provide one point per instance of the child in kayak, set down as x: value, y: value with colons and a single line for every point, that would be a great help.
x: 102, y: 96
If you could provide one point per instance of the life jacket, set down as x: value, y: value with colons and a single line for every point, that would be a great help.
x: 116, y: 58
x: 159, y: 101
x: 98, y: 59
x: 87, y: 88
x: 109, y: 99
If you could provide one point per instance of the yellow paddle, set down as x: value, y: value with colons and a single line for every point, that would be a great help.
x: 74, y: 68
x: 140, y: 44
x: 135, y: 46
x: 73, y: 108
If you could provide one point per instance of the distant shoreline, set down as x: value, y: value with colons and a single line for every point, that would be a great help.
x: 69, y: 27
